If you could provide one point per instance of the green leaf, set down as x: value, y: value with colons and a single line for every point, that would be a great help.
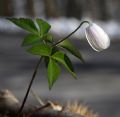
x: 48, y: 38
x: 31, y: 39
x: 44, y: 26
x: 63, y: 59
x: 53, y: 72
x: 67, y: 44
x: 40, y: 49
x: 54, y: 50
x: 24, y: 23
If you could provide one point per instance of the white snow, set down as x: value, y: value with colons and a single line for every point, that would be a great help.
x: 63, y: 26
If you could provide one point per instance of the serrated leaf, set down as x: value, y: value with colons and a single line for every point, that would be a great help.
x: 69, y: 46
x: 64, y: 59
x: 40, y: 49
x: 31, y: 39
x: 24, y: 23
x: 43, y: 26
x: 53, y: 72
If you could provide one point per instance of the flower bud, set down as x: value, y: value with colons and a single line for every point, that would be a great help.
x: 96, y: 37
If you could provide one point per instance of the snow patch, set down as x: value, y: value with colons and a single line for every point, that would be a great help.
x: 63, y: 26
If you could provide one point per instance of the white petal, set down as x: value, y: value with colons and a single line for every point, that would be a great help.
x: 96, y: 37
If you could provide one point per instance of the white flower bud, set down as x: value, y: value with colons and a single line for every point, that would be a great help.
x: 96, y: 37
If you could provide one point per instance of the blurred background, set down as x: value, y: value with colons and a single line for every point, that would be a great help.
x: 99, y: 78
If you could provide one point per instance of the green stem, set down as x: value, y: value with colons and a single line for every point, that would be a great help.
x: 29, y: 87
x: 71, y: 33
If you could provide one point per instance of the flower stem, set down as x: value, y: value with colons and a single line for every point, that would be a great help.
x: 29, y: 87
x: 70, y: 33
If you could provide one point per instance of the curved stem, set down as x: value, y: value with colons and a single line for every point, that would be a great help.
x: 29, y: 87
x: 71, y: 33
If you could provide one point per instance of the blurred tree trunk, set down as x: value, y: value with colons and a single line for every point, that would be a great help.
x: 97, y: 9
x: 74, y: 9
x: 51, y: 8
x: 113, y: 7
x: 6, y: 8
x: 103, y: 10
x: 94, y: 9
x: 30, y: 8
